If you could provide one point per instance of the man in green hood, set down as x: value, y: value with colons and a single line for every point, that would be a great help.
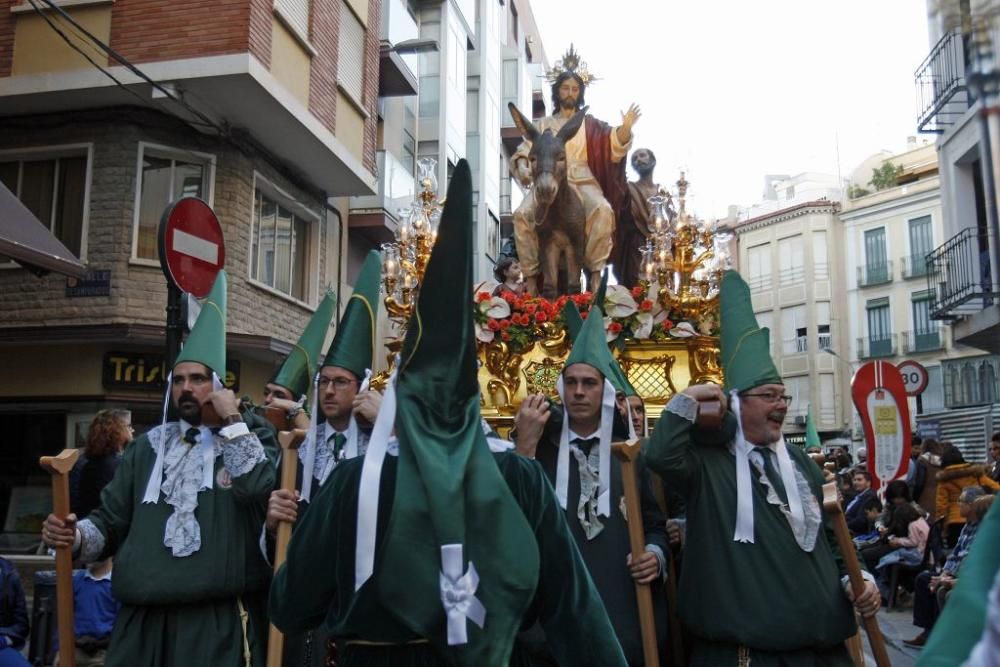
x: 761, y: 556
x: 181, y: 518
x: 435, y: 550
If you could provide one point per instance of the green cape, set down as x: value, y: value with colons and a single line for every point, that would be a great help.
x: 744, y: 347
x: 299, y: 367
x: 206, y: 344
x: 353, y: 345
x: 449, y: 490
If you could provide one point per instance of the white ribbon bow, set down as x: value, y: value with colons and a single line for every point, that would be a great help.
x: 458, y: 594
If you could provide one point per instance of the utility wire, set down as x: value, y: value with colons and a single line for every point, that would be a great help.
x: 205, y: 120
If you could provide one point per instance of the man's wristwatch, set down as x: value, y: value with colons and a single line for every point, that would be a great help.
x: 234, y: 418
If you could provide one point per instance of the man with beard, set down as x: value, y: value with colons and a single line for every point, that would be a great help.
x: 636, y: 220
x: 595, y: 170
x: 760, y: 557
x: 181, y: 517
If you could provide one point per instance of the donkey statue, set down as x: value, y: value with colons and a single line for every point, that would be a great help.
x: 554, y: 208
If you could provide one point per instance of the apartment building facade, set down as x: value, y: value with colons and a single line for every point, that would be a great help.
x: 109, y: 111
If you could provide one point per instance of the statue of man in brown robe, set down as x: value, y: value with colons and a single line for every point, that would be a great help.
x: 635, y: 219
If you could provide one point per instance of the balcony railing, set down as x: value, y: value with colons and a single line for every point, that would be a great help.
x: 942, y: 95
x: 959, y: 274
x: 875, y: 274
x: 914, y: 266
x: 926, y: 340
x: 872, y: 347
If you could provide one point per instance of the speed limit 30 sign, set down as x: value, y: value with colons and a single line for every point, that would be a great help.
x: 914, y: 377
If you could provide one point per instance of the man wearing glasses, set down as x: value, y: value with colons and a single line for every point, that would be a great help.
x: 763, y: 581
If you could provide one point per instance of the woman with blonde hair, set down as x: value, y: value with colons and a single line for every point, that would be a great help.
x: 109, y: 432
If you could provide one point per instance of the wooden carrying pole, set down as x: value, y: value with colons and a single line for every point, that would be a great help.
x: 289, y: 441
x: 831, y: 504
x: 627, y: 453
x: 59, y: 467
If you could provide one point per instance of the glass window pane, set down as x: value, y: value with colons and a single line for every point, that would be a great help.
x: 283, y: 251
x: 188, y: 180
x: 153, y: 198
x: 37, y: 184
x: 267, y: 241
x: 68, y: 223
x: 255, y: 236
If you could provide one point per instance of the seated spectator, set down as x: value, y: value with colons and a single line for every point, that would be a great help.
x: 956, y: 475
x: 930, y: 589
x: 846, y: 486
x: 994, y: 458
x: 863, y: 487
x: 873, y: 514
x: 897, y: 495
x: 907, y: 539
x: 13, y: 617
x: 94, y: 613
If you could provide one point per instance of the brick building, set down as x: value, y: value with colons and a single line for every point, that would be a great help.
x: 266, y: 109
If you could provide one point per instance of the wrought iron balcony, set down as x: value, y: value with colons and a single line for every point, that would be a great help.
x: 942, y: 94
x: 872, y: 347
x: 926, y: 340
x: 914, y: 266
x: 875, y: 274
x: 959, y: 274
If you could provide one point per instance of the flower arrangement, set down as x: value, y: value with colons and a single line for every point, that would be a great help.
x: 518, y: 319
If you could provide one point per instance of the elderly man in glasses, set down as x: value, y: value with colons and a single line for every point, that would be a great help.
x: 763, y: 581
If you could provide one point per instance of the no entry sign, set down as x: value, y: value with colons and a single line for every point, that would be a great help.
x: 192, y: 249
x: 880, y: 398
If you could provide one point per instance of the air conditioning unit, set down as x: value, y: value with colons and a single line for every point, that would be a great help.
x: 800, y: 420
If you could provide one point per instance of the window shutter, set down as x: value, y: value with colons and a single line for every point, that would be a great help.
x: 351, y: 54
x: 296, y: 12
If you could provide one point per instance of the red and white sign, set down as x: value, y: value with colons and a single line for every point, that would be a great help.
x: 192, y: 249
x: 880, y: 398
x: 914, y: 377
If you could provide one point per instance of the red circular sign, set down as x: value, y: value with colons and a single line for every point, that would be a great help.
x: 914, y: 377
x: 192, y: 249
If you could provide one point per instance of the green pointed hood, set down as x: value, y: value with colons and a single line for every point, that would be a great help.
x: 353, y: 346
x: 812, y: 435
x: 591, y: 347
x: 744, y: 347
x: 601, y: 295
x: 206, y: 344
x: 299, y: 367
x: 449, y: 490
x: 574, y: 324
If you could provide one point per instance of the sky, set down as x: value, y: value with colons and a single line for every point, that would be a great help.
x: 731, y: 90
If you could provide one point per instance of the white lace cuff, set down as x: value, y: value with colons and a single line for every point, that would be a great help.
x: 660, y: 558
x: 845, y: 581
x: 92, y: 541
x: 242, y: 454
x: 684, y: 407
x: 234, y: 430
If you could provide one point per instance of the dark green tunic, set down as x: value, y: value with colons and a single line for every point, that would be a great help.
x: 182, y: 612
x: 316, y: 584
x: 769, y: 596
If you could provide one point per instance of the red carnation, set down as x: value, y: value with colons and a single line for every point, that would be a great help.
x: 530, y: 308
x: 646, y: 305
x: 483, y: 296
x: 615, y: 328
x: 667, y: 325
x: 540, y: 316
x: 493, y: 325
x: 584, y: 314
x: 637, y: 291
x: 504, y: 325
x: 504, y: 335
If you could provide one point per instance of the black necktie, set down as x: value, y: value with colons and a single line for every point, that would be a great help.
x: 339, y: 440
x: 585, y: 444
x: 772, y: 473
x: 191, y: 435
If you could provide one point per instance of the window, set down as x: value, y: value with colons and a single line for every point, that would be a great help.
x: 823, y: 339
x: 54, y: 187
x: 798, y: 389
x: 876, y: 262
x: 879, y: 328
x: 430, y: 96
x: 790, y: 262
x: 280, y: 252
x: 296, y: 15
x: 766, y: 321
x: 166, y: 175
x: 759, y: 261
x: 409, y: 153
x: 820, y: 266
x: 921, y: 244
x: 493, y: 234
x: 351, y: 54
x: 926, y: 333
x: 827, y: 393
x: 794, y: 330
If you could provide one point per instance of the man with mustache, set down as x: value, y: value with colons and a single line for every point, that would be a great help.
x: 181, y: 517
x: 763, y: 581
x: 575, y: 453
x: 595, y: 170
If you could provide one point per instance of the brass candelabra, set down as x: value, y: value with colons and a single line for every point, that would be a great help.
x: 684, y: 257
